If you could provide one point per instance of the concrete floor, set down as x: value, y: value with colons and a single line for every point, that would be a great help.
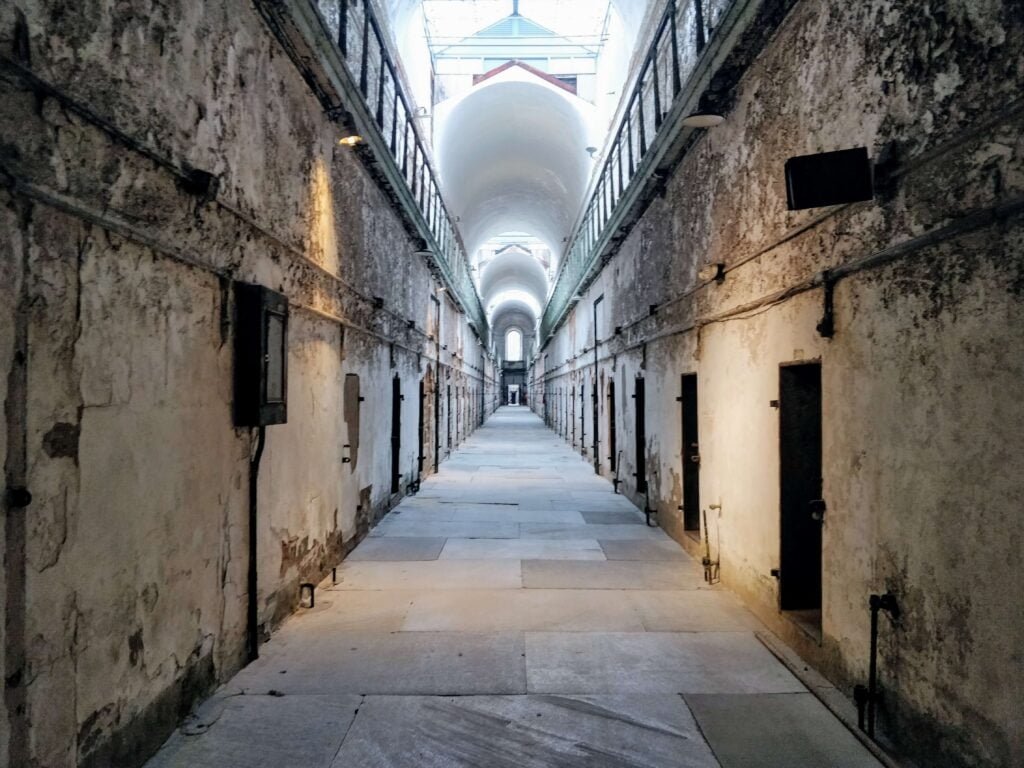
x: 516, y: 612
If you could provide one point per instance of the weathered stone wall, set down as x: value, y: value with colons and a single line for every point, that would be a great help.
x: 922, y: 410
x: 124, y: 584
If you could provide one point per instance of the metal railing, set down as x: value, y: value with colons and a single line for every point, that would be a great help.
x: 680, y: 37
x: 364, y: 52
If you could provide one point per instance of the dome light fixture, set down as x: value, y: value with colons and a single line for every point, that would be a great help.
x: 706, y: 115
x: 701, y: 119
x: 713, y: 271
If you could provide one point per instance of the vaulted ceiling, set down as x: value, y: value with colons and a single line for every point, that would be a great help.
x: 512, y: 157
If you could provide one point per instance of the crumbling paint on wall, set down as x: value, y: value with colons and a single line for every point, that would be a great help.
x: 922, y: 415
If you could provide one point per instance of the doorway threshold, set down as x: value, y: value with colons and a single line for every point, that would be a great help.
x: 808, y: 621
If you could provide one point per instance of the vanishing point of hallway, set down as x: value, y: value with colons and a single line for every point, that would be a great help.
x: 516, y: 613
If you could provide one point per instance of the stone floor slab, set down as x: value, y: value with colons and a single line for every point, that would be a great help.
x: 649, y: 550
x: 430, y: 574
x: 558, y: 610
x: 603, y: 532
x: 624, y: 517
x: 397, y: 549
x: 521, y: 549
x: 609, y: 574
x: 398, y: 528
x: 437, y: 663
x: 524, y: 732
x: 776, y: 731
x: 706, y: 610
x: 262, y: 732
x: 653, y: 662
x: 486, y: 513
x: 351, y: 611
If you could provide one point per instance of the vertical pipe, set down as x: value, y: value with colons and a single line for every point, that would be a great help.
x: 252, y: 603
x: 875, y: 603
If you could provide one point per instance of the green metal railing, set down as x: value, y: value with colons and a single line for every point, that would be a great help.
x: 382, y: 102
x: 664, y: 82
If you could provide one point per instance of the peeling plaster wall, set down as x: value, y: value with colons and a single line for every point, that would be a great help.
x: 922, y: 409
x: 115, y: 278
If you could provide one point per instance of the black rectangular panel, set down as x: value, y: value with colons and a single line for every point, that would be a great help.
x: 640, y: 447
x: 261, y: 356
x: 828, y: 178
x: 800, y: 463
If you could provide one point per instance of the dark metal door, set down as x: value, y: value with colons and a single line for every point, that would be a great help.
x: 802, y: 509
x: 436, y: 383
x: 597, y: 427
x: 691, y: 453
x: 421, y: 429
x: 640, y: 448
x: 572, y: 415
x: 396, y: 433
x: 583, y: 419
x: 611, y: 425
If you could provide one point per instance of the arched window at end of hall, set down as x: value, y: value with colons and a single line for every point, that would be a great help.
x: 514, y: 345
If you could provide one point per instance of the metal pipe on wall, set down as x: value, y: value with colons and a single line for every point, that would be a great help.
x: 252, y: 603
x: 876, y: 603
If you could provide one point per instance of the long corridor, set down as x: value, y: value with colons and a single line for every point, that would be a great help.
x: 516, y: 612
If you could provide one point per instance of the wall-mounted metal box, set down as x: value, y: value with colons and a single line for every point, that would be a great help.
x: 828, y: 178
x: 261, y: 356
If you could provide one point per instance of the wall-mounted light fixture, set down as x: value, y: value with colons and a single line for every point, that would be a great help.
x: 714, y: 271
x: 590, y: 151
x: 706, y: 115
x: 703, y: 120
x: 350, y: 139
